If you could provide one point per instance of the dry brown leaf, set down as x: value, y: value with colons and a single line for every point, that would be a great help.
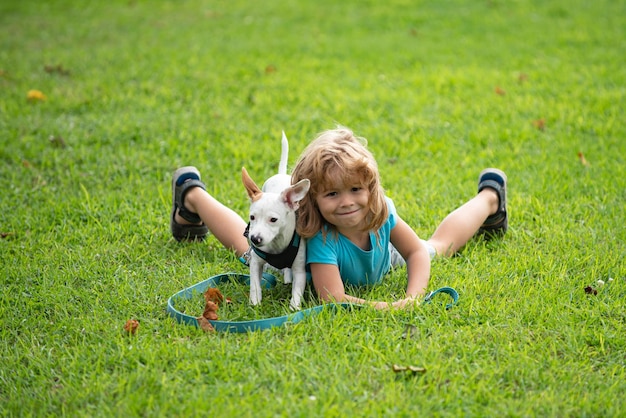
x: 131, y: 326
x: 205, y: 325
x: 582, y: 159
x: 540, y: 124
x: 213, y: 295
x: 210, y: 310
x: 410, y: 369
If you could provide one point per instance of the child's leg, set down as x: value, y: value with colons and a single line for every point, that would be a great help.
x: 486, y: 211
x: 224, y: 223
x: 461, y: 225
x: 195, y: 212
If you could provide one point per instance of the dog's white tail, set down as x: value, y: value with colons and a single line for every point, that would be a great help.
x: 284, y: 155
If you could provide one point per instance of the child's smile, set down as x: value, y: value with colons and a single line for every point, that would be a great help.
x: 346, y: 207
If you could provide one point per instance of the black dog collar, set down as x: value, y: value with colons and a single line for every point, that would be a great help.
x: 279, y: 261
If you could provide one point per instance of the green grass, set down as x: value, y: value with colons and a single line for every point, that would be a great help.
x: 135, y: 89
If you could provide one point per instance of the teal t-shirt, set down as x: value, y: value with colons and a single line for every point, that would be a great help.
x: 356, y: 266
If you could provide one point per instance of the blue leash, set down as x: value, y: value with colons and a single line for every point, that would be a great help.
x: 267, y: 281
x: 447, y: 290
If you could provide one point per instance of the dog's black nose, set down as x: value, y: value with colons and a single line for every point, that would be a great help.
x: 256, y: 240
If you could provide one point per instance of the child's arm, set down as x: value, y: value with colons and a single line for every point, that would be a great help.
x: 328, y: 284
x: 417, y: 260
x: 330, y: 288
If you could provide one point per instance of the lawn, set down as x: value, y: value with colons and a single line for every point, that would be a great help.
x: 101, y: 101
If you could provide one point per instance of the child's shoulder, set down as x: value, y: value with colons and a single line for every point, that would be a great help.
x: 390, y: 205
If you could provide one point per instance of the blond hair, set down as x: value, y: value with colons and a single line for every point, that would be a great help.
x: 338, y: 157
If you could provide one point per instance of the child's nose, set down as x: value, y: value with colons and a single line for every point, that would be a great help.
x: 346, y: 199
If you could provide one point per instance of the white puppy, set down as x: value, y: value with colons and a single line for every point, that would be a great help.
x: 271, y: 231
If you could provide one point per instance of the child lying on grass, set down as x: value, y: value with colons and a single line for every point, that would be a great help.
x: 354, y: 234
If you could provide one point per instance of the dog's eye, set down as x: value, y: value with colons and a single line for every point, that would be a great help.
x: 273, y: 220
x: 252, y: 217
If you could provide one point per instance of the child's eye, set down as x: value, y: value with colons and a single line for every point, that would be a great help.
x: 330, y: 194
x: 356, y: 188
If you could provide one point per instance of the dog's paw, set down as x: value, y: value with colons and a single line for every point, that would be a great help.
x: 294, y: 304
x: 255, y: 296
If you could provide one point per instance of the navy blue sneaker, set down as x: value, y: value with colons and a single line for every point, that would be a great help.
x: 183, y: 180
x: 498, y: 223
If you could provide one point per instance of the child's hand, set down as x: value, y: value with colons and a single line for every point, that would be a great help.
x: 410, y: 302
x: 381, y: 305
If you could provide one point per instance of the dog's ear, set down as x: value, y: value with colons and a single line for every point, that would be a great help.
x: 295, y: 193
x: 253, y: 190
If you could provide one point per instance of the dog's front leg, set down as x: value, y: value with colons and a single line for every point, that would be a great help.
x: 297, y: 289
x: 298, y: 271
x: 256, y: 271
x: 287, y: 275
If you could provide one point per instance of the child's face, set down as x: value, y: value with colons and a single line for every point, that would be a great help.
x: 346, y: 206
